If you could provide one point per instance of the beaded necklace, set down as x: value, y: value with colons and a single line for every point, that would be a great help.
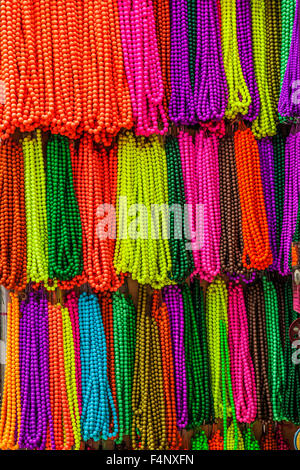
x: 62, y: 412
x: 124, y: 330
x: 181, y: 262
x: 291, y: 201
x: 172, y: 296
x: 196, y: 380
x: 182, y: 106
x: 276, y: 370
x: 12, y: 221
x: 234, y: 439
x: 142, y: 246
x: 265, y: 123
x: 149, y: 419
x: 142, y: 65
x: 256, y: 313
x: 95, y: 180
x: 288, y: 8
x: 279, y: 177
x: 160, y: 313
x: 35, y: 203
x: 231, y: 244
x: 71, y: 303
x: 266, y: 155
x: 288, y: 106
x: 250, y: 442
x: 257, y: 251
x: 200, y: 316
x: 10, y: 419
x: 105, y: 89
x: 244, y: 38
x: 282, y: 444
x: 291, y: 395
x: 273, y: 34
x: 36, y: 414
x: 210, y: 95
x: 216, y: 310
x: 216, y: 442
x: 63, y: 219
x: 268, y: 440
x: 106, y: 305
x: 239, y: 98
x: 242, y: 371
x: 199, y: 441
x: 97, y: 400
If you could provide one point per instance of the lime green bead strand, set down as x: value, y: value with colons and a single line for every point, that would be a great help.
x: 199, y: 441
x: 265, y: 124
x: 142, y: 246
x: 70, y: 374
x: 36, y: 212
x: 239, y: 98
x: 250, y: 442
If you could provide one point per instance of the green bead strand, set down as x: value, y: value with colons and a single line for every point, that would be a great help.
x: 64, y: 224
x: 182, y: 261
x: 199, y: 441
x: 276, y: 368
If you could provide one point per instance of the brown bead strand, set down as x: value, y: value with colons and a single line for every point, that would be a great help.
x: 148, y: 404
x: 231, y: 246
x: 255, y: 306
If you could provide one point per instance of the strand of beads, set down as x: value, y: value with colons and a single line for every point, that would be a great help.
x: 70, y: 372
x: 148, y: 407
x: 233, y: 442
x: 196, y: 380
x: 142, y: 246
x: 210, y: 95
x: 282, y: 444
x: 142, y: 65
x: 63, y: 218
x: 291, y: 394
x: 10, y: 419
x: 181, y: 259
x: 276, y: 370
x: 266, y: 155
x: 36, y: 415
x: 239, y: 98
x: 255, y: 307
x: 182, y: 106
x: 257, y: 251
x: 242, y: 371
x: 71, y: 303
x: 216, y: 310
x: 273, y: 18
x: 268, y: 440
x: 199, y: 441
x: 124, y: 331
x: 95, y: 180
x: 35, y: 204
x: 160, y: 313
x: 58, y: 369
x: 106, y: 305
x: 244, y: 38
x: 288, y: 8
x: 265, y: 124
x: 279, y: 176
x: 173, y: 298
x: 12, y: 222
x: 97, y: 400
x: 288, y: 105
x: 216, y: 442
x: 291, y: 201
x: 231, y: 244
x: 200, y: 316
x: 250, y: 442
x: 105, y: 88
